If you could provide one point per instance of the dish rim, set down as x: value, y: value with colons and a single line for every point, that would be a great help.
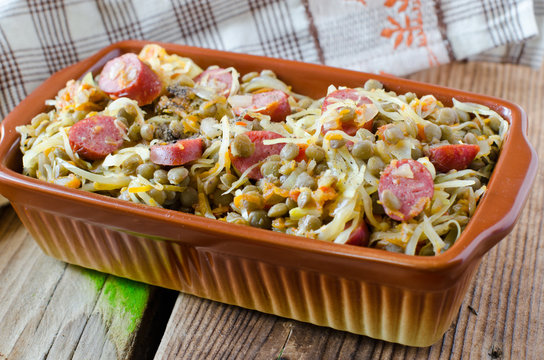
x: 475, y: 240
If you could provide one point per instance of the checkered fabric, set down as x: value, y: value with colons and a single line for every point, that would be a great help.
x: 39, y: 37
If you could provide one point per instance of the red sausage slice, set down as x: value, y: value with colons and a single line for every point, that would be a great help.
x: 344, y: 94
x: 411, y: 183
x: 217, y: 79
x: 95, y: 137
x: 128, y: 76
x: 261, y: 152
x: 178, y: 153
x: 456, y: 156
x: 349, y: 127
x: 273, y: 103
x: 360, y: 236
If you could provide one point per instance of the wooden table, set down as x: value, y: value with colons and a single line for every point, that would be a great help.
x: 49, y: 309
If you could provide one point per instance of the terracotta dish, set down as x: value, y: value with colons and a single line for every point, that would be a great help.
x: 395, y: 297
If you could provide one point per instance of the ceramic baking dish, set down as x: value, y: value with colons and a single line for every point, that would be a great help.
x: 405, y: 299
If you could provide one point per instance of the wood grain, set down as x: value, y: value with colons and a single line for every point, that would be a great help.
x: 501, y: 317
x: 49, y: 309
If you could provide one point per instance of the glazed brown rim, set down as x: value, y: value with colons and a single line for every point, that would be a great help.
x: 494, y: 218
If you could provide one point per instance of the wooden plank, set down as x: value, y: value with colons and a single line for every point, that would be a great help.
x: 49, y: 309
x: 501, y: 315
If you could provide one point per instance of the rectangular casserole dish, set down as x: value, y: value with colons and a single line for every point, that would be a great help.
x: 395, y: 297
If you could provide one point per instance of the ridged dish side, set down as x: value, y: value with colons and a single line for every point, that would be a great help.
x: 417, y: 318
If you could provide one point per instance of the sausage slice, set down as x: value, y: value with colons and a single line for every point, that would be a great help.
x: 405, y: 188
x: 273, y: 103
x: 95, y: 137
x: 217, y: 79
x: 178, y: 153
x: 128, y: 76
x: 360, y: 236
x: 456, y: 156
x: 349, y: 127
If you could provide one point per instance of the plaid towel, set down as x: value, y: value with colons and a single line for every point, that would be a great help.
x: 39, y: 37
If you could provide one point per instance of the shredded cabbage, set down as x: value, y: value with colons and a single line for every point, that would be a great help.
x: 327, y: 190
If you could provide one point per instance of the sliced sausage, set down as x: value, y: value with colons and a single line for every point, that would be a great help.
x: 128, y: 76
x: 217, y: 79
x: 453, y: 156
x: 178, y: 153
x: 95, y: 137
x: 349, y: 127
x: 273, y: 103
x: 360, y: 236
x: 261, y: 152
x: 405, y: 188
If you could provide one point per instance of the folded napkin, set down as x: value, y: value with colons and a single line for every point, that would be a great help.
x: 40, y: 37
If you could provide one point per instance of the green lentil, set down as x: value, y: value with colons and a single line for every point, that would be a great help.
x: 278, y: 210
x: 134, y: 132
x: 320, y: 168
x: 160, y: 176
x: 176, y: 127
x: 372, y: 84
x: 470, y: 138
x: 250, y: 188
x: 374, y: 165
x: 410, y: 96
x: 309, y: 222
x: 315, y: 152
x: 477, y: 164
x: 177, y: 175
x: 291, y: 204
x: 130, y: 164
x: 463, y: 116
x: 271, y: 168
x: 159, y: 196
x: 432, y: 132
x: 416, y: 153
x: 146, y: 170
x: 250, y: 205
x: 289, y: 151
x: 494, y: 123
x: 447, y: 116
x: 189, y: 197
x: 305, y: 180
x: 259, y: 219
x: 221, y: 199
x: 393, y: 134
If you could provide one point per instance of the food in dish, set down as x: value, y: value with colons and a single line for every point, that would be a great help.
x: 361, y: 166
